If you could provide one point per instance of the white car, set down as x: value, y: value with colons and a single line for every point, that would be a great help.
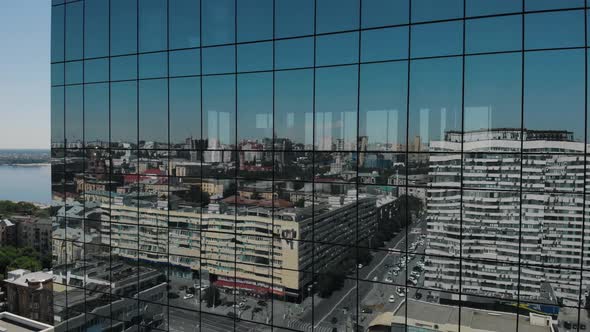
x: 360, y: 266
x: 391, y: 298
x: 188, y: 296
x: 388, y: 279
x: 400, y: 292
x: 375, y: 278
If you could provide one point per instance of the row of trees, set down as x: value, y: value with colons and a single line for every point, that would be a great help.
x: 12, y: 258
x: 9, y: 208
x: 403, y: 209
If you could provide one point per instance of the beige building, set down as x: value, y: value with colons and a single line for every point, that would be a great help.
x: 267, y: 247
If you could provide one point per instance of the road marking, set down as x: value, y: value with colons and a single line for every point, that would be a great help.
x: 355, y: 286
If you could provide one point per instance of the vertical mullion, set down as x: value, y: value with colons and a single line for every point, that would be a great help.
x: 358, y: 94
x: 407, y: 152
x: 200, y: 148
x: 462, y: 156
x: 584, y: 197
x: 522, y: 128
x: 236, y: 149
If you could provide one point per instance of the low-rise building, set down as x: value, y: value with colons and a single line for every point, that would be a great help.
x: 7, y: 233
x: 10, y: 322
x: 30, y: 294
x: 413, y: 315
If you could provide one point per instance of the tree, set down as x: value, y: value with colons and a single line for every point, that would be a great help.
x: 230, y: 190
x: 12, y: 258
x: 196, y: 195
x: 211, y: 296
x: 330, y: 281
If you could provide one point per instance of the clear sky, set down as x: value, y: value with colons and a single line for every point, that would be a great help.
x: 24, y: 73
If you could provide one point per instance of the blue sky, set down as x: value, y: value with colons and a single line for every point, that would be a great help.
x: 24, y: 73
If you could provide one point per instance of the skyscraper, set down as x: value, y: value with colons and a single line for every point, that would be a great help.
x: 311, y: 165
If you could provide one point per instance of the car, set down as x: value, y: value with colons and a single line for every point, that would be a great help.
x: 367, y: 310
x: 188, y: 296
x: 415, y: 274
x: 388, y: 279
x: 582, y: 326
x: 418, y: 295
x: 391, y: 298
x: 396, y: 269
x: 413, y: 281
x: 242, y: 304
x: 261, y: 303
x: 400, y: 292
x: 375, y: 278
x: 360, y: 266
x: 395, y: 274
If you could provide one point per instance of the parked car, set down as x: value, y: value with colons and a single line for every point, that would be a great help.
x: 391, y: 298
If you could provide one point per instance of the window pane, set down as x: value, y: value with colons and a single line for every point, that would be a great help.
x: 336, y: 108
x: 384, y: 44
x: 553, y: 30
x: 487, y: 7
x: 153, y: 65
x: 123, y: 27
x: 294, y: 18
x: 184, y: 63
x: 255, y: 56
x: 294, y: 53
x: 218, y: 60
x: 74, y: 30
x: 337, y: 15
x: 493, y: 34
x: 437, y: 39
x: 96, y: 25
x: 336, y: 49
x: 218, y: 22
x: 74, y: 72
x: 294, y: 107
x: 185, y: 110
x: 124, y: 68
x: 378, y: 13
x: 435, y: 100
x: 219, y: 111
x: 492, y: 92
x: 96, y: 70
x: 57, y: 74
x: 124, y: 113
x: 57, y: 33
x: 432, y: 10
x: 554, y: 91
x: 184, y: 23
x: 255, y: 20
x: 153, y: 113
x: 152, y: 25
x: 96, y: 114
x: 57, y: 116
x: 552, y: 4
x: 74, y: 114
x: 255, y: 108
x: 383, y: 106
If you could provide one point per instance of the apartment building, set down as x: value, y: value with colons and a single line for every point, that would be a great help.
x: 246, y: 247
x: 497, y: 215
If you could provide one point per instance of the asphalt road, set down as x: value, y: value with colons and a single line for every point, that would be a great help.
x: 343, y: 303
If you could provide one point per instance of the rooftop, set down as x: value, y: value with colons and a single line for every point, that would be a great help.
x: 471, y: 319
x: 22, y: 277
x: 14, y: 323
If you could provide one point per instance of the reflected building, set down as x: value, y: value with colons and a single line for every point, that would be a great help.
x: 311, y: 165
x: 507, y: 218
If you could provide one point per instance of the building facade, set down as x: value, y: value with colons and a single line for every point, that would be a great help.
x: 309, y: 165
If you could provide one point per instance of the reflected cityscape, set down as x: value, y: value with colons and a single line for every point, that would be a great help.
x: 327, y: 165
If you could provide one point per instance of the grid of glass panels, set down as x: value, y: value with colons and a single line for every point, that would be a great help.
x: 319, y: 165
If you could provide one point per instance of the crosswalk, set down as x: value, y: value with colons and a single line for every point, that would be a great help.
x: 306, y: 327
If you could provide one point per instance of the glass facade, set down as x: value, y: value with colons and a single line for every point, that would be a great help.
x: 320, y: 165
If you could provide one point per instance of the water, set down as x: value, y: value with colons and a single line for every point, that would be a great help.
x: 26, y: 183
